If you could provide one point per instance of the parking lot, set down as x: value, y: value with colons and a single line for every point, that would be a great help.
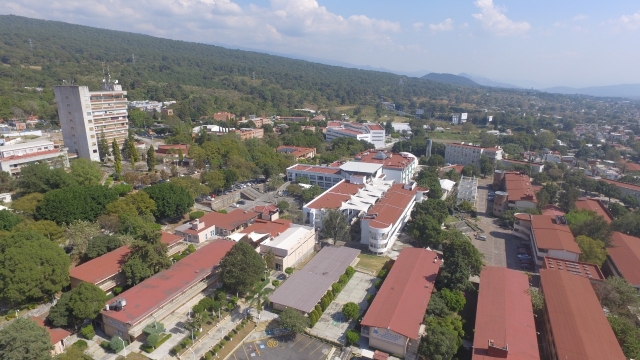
x: 500, y: 248
x: 286, y: 347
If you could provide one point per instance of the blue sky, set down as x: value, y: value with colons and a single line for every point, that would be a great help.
x: 528, y: 43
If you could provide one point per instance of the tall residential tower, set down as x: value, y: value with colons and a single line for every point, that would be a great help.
x: 85, y: 115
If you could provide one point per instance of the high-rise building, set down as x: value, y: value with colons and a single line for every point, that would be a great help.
x: 85, y: 115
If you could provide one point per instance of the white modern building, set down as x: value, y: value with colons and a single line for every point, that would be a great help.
x: 373, y: 133
x: 14, y: 157
x: 291, y: 247
x: 469, y: 154
x: 380, y: 227
x: 399, y: 167
x: 323, y: 176
x: 467, y: 190
x: 85, y: 115
x: 459, y: 118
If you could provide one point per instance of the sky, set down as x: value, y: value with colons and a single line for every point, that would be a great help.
x: 537, y: 44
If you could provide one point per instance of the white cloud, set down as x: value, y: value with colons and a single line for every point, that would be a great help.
x: 494, y: 20
x: 446, y: 25
x: 292, y: 26
x: 580, y: 17
x: 629, y: 22
x: 417, y: 26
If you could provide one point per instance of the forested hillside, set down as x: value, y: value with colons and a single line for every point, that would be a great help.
x: 39, y: 53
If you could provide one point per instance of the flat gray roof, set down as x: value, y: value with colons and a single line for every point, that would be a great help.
x: 304, y: 289
x: 361, y: 167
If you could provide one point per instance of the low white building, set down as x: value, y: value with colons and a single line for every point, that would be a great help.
x: 373, y: 133
x: 14, y: 157
x: 469, y: 154
x: 323, y: 176
x: 467, y: 190
x: 291, y: 247
x: 399, y: 167
x: 447, y: 187
x: 459, y: 118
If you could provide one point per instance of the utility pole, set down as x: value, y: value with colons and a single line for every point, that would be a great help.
x: 30, y: 45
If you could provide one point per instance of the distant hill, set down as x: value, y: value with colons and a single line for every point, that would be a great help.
x: 631, y: 91
x: 450, y: 79
x: 487, y: 82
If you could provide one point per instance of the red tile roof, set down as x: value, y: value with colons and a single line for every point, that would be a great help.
x: 549, y: 235
x: 505, y: 315
x: 552, y: 210
x: 102, y: 267
x: 621, y: 184
x: 274, y: 228
x: 389, y: 208
x: 39, y: 153
x: 596, y: 206
x: 579, y: 326
x: 391, y: 160
x: 334, y: 124
x: 375, y: 127
x: 296, y: 151
x: 55, y: 334
x: 170, y: 239
x: 316, y: 169
x: 165, y: 286
x: 266, y: 209
x: 224, y: 221
x: 403, y: 298
x: 630, y: 167
x: 625, y: 255
x: 335, y: 196
x: 347, y: 131
x: 586, y: 270
x: 519, y: 187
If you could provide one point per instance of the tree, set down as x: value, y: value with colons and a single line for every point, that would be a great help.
x: 352, y: 337
x: 86, y: 301
x: 437, y: 307
x: 135, y: 271
x: 617, y: 294
x: 40, y: 177
x: 593, y: 251
x: 470, y: 170
x: 214, y: 179
x: 32, y: 268
x: 48, y: 228
x: 435, y: 208
x: 8, y: 220
x: 274, y: 183
x: 628, y: 224
x: 117, y: 157
x: 425, y: 229
x: 191, y: 184
x: 66, y: 205
x: 293, y: 320
x: 103, y: 147
x: 350, y: 310
x: 78, y: 234
x: 101, y: 245
x: 589, y: 223
x: 60, y: 314
x: 153, y: 340
x: 136, y: 204
x: 86, y: 172
x: 171, y: 200
x: 241, y: 268
x: 144, y: 260
x: 435, y: 160
x: 628, y: 335
x: 23, y: 339
x: 130, y: 151
x: 454, y: 300
x: 543, y: 198
x: 467, y: 127
x: 567, y: 199
x: 151, y: 158
x: 259, y: 298
x: 7, y: 182
x: 462, y: 260
x: 335, y: 226
x: 486, y: 165
x: 441, y: 343
x: 270, y: 259
x: 617, y: 210
x: 28, y: 203
x: 116, y: 344
x: 283, y: 205
x: 466, y: 206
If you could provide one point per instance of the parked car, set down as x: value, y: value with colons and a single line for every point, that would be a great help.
x: 481, y: 237
x: 242, y: 202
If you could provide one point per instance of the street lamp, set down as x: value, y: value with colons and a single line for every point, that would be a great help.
x: 192, y: 353
x: 124, y: 346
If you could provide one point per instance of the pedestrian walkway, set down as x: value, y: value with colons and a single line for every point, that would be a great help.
x: 221, y: 329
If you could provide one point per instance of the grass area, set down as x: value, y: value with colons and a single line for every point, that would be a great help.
x: 237, y: 339
x: 454, y: 136
x: 450, y: 219
x: 148, y: 349
x: 372, y: 262
x: 134, y: 356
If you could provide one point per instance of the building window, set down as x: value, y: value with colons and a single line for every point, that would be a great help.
x: 95, y: 151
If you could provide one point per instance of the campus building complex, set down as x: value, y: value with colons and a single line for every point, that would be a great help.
x: 373, y: 133
x: 15, y: 156
x: 86, y: 115
x: 469, y: 154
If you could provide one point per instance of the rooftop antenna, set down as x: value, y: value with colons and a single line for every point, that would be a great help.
x: 109, y: 74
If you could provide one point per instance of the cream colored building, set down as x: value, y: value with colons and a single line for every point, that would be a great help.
x: 292, y: 246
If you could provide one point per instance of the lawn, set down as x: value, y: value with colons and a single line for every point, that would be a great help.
x: 135, y: 356
x: 451, y: 219
x: 372, y: 262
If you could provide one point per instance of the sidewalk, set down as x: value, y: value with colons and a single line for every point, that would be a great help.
x: 221, y: 329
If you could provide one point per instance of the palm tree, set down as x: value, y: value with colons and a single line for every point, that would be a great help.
x: 259, y: 298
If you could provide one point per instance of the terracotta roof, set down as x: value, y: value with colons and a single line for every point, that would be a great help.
x: 505, y: 316
x: 55, y: 334
x: 266, y: 209
x: 578, y: 324
x: 296, y: 151
x: 170, y: 239
x: 102, y: 267
x: 224, y: 221
x: 519, y: 187
x: 375, y: 127
x: 621, y: 184
x: 165, y: 286
x: 582, y: 269
x: 549, y: 235
x: 629, y: 166
x: 404, y: 296
x: 346, y: 131
x: 387, y: 159
x: 552, y: 210
x: 34, y: 154
x: 335, y: 196
x: 388, y: 210
x: 165, y: 149
x: 456, y: 168
x: 268, y: 227
x: 596, y: 206
x: 625, y: 255
x: 334, y: 124
x: 316, y: 169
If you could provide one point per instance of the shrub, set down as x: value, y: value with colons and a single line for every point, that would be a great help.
x: 313, y: 318
x: 186, y: 342
x: 117, y: 344
x: 216, y: 348
x: 208, y: 356
x: 350, y: 310
x: 275, y: 282
x: 289, y: 270
x: 223, y: 342
x: 196, y: 215
x: 80, y: 344
x: 222, y: 211
x: 239, y: 327
x: 369, y: 298
x: 324, y: 303
x: 383, y: 273
x: 88, y: 332
x: 336, y: 288
x: 344, y: 279
x: 153, y: 340
x: 176, y: 349
x: 105, y: 345
x: 378, y: 284
x: 318, y: 309
x: 117, y: 290
x: 352, y: 337
x: 350, y: 271
x: 230, y: 306
x: 330, y: 295
x: 244, y: 322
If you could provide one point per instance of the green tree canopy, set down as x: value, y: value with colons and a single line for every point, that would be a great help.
x: 48, y: 228
x: 590, y: 224
x: 39, y: 177
x: 428, y: 178
x: 64, y: 206
x: 436, y: 160
x: 171, y: 200
x: 628, y: 335
x: 462, y: 260
x: 27, y: 204
x: 567, y: 198
x: 7, y: 182
x: 32, y: 268
x: 335, y: 226
x: 151, y: 158
x: 241, y: 268
x: 454, y: 300
x: 144, y: 260
x: 441, y: 343
x: 293, y: 320
x: 351, y: 310
x: 23, y: 339
x: 593, y: 251
x: 8, y: 220
x: 617, y: 294
x: 86, y: 172
x: 101, y: 245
